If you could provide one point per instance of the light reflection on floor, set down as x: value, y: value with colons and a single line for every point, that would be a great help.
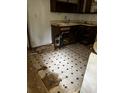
x: 69, y: 63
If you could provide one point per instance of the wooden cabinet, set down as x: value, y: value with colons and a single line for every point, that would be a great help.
x: 88, y: 6
x: 69, y: 1
x: 87, y: 34
x: 73, y: 6
x: 66, y: 6
x: 63, y: 35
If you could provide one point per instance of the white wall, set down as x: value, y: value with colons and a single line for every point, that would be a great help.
x: 39, y: 17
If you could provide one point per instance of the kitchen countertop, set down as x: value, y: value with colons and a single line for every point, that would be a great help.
x: 73, y: 23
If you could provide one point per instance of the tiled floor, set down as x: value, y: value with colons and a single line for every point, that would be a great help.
x: 69, y: 63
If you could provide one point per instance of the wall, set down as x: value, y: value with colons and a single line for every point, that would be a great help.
x: 39, y: 17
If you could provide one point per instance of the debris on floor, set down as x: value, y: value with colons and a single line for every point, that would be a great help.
x: 69, y: 63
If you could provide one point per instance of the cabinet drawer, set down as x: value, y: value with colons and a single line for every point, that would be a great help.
x: 65, y: 28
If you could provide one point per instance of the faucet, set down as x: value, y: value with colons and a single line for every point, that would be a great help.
x: 65, y: 17
x: 67, y: 20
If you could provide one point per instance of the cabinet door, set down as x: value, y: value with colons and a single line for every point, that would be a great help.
x: 52, y: 5
x: 63, y: 0
x: 65, y: 6
x: 73, y: 1
x: 88, y: 4
x: 81, y: 6
x: 70, y: 1
x: 87, y: 35
x: 93, y: 7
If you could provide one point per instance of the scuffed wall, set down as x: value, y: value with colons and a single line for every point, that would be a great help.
x: 39, y: 17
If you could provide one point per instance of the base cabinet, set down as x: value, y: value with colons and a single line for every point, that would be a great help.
x: 65, y: 35
x: 87, y: 34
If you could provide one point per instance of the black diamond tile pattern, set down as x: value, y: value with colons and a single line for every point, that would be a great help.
x: 69, y: 63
